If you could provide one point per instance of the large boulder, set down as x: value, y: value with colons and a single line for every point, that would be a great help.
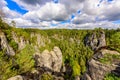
x: 49, y: 60
x: 103, y: 62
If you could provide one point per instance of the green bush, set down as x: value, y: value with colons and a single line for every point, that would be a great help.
x: 46, y: 77
x: 6, y: 70
x: 14, y: 45
x: 25, y: 59
x: 76, y: 69
x: 111, y: 77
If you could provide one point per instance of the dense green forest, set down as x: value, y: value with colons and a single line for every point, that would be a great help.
x: 71, y: 43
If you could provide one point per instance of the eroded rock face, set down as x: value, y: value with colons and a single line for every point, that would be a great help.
x: 95, y: 41
x: 20, y: 41
x: 5, y: 46
x: 97, y: 70
x: 51, y: 60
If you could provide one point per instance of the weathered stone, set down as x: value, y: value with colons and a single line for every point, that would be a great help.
x: 18, y: 77
x: 20, y: 41
x: 5, y: 46
x: 77, y: 78
x: 94, y: 41
x: 51, y: 60
x: 97, y: 70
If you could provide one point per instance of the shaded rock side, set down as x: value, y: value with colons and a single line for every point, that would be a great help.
x: 95, y: 41
x: 51, y: 60
x: 5, y: 46
x: 97, y: 70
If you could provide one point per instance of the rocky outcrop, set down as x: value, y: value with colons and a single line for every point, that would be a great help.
x: 51, y: 60
x: 96, y: 70
x: 95, y: 41
x: 18, y: 77
x: 20, y: 41
x: 103, y: 60
x: 40, y: 40
x: 5, y: 46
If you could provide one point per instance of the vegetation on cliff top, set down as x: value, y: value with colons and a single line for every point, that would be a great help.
x: 71, y: 43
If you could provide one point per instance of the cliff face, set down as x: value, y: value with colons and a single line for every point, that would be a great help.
x: 96, y: 40
x: 51, y: 60
x: 5, y: 46
x: 97, y: 69
x: 103, y: 60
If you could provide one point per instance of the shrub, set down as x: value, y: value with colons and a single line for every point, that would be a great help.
x: 14, y: 45
x: 6, y: 70
x: 46, y: 77
x: 25, y: 59
x: 111, y: 77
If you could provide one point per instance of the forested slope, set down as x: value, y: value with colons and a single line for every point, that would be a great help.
x: 17, y: 55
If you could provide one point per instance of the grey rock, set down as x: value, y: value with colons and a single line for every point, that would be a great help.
x: 51, y: 60
x: 97, y: 70
x: 20, y: 41
x: 18, y: 77
x: 57, y: 78
x: 5, y: 46
x: 95, y: 41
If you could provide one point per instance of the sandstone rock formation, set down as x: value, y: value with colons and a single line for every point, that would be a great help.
x: 95, y: 41
x: 104, y: 61
x: 51, y: 60
x: 5, y: 46
x: 18, y: 77
x: 97, y: 70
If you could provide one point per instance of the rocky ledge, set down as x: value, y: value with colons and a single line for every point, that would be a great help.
x: 104, y: 60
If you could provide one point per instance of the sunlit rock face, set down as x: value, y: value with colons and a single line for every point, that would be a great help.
x: 51, y: 60
x: 5, y: 46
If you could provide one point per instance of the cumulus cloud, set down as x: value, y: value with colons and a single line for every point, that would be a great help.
x: 83, y: 18
x: 2, y: 3
x: 80, y: 13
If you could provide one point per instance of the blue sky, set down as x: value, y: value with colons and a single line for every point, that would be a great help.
x: 63, y: 13
x: 13, y: 6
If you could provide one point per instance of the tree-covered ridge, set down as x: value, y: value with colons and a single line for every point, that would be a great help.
x: 71, y: 42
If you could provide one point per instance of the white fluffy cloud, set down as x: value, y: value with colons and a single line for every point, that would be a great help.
x: 48, y: 12
x: 43, y: 13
